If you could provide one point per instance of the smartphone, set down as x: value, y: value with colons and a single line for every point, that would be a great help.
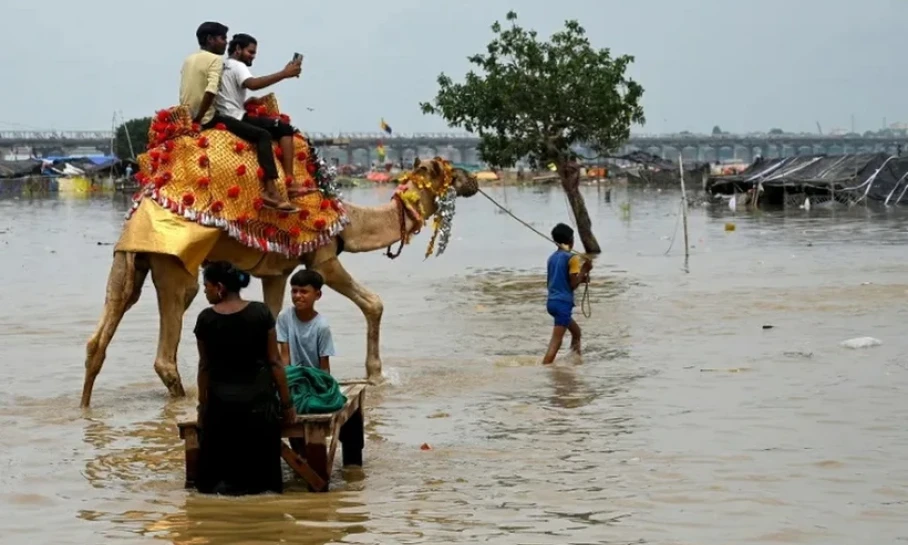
x: 298, y: 57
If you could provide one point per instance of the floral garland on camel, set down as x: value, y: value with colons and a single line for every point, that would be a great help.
x: 205, y: 176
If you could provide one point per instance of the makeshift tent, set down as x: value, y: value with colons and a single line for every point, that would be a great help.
x: 847, y: 178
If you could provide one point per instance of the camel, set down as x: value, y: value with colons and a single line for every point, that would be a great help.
x: 176, y: 283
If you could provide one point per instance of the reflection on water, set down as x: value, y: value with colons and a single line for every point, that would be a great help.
x: 686, y: 421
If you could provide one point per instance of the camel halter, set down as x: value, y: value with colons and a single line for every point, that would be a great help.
x: 410, y: 203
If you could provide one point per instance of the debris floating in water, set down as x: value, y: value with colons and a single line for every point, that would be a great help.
x: 861, y: 342
x: 425, y: 446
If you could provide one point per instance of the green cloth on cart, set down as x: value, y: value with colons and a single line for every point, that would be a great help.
x: 313, y: 391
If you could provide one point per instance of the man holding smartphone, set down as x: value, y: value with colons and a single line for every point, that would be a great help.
x: 230, y: 106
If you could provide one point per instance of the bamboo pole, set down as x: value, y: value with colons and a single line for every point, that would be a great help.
x: 684, y: 211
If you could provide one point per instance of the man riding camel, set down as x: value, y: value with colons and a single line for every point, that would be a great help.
x: 230, y: 109
x: 207, y: 81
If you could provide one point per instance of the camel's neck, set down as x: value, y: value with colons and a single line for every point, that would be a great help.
x: 374, y: 227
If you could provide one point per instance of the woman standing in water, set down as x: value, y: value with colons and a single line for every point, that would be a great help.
x: 240, y: 381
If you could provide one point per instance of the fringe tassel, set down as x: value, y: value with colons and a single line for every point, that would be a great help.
x: 286, y: 247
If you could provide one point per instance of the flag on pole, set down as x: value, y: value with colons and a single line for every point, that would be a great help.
x: 384, y: 126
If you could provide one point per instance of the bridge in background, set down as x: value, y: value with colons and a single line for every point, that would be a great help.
x: 361, y: 147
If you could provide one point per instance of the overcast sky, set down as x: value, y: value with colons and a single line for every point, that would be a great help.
x: 743, y: 65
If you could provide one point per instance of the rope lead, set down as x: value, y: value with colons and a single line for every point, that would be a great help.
x: 586, y: 308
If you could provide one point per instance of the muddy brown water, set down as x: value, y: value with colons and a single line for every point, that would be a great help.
x: 686, y: 423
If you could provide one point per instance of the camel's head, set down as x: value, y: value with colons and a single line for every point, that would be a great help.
x: 431, y: 189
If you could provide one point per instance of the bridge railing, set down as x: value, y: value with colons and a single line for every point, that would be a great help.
x: 55, y: 135
x: 454, y: 137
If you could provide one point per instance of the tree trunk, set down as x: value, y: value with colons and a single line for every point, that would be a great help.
x: 570, y: 181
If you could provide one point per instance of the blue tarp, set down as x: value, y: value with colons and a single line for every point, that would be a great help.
x: 96, y: 159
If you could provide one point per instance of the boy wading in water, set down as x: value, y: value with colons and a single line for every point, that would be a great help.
x: 565, y: 273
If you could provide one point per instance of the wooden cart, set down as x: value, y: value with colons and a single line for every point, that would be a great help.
x: 313, y: 440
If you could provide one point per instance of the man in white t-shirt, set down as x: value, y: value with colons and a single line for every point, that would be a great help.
x: 230, y: 107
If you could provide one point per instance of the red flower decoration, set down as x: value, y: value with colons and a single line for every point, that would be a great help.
x: 157, y: 126
x: 188, y: 199
x: 204, y: 182
x: 261, y: 110
x: 285, y: 118
x: 167, y: 176
x: 241, y: 170
x: 216, y: 206
x: 278, y: 152
x: 258, y: 203
x: 163, y: 115
x: 203, y: 161
x: 311, y: 168
x: 221, y: 127
x: 301, y: 156
x: 243, y: 219
x: 325, y: 204
x: 165, y: 157
x: 303, y: 215
x: 202, y: 142
x: 260, y: 173
x: 294, y: 231
x: 169, y: 145
x: 233, y: 192
x: 270, y: 231
x: 288, y: 181
x: 159, y: 182
x: 320, y: 224
x: 155, y: 155
x: 336, y: 205
x: 239, y: 147
x: 196, y: 127
x: 283, y: 215
x: 171, y: 129
x: 307, y: 183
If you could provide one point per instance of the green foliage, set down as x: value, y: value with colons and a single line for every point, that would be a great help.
x: 137, y: 129
x: 535, y: 99
x: 776, y: 130
x: 717, y: 130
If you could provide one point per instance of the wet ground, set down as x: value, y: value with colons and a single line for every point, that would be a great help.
x: 686, y: 423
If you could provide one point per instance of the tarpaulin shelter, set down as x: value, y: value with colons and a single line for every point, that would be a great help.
x: 847, y: 178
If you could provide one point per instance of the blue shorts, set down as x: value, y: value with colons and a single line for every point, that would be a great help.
x: 561, y: 311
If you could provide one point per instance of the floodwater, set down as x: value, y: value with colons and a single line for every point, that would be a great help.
x: 687, y: 422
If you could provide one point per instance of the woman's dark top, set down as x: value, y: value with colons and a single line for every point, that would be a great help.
x: 240, y: 436
x: 236, y: 346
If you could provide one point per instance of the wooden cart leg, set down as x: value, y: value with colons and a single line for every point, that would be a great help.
x: 317, y: 459
x: 353, y: 439
x: 191, y: 441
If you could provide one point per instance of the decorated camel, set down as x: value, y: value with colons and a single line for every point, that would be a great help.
x: 200, y: 201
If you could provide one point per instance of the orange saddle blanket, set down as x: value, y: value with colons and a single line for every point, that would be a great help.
x: 213, y: 178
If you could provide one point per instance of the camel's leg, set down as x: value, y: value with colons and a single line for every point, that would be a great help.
x: 338, y: 279
x: 124, y: 285
x: 273, y: 288
x: 176, y: 289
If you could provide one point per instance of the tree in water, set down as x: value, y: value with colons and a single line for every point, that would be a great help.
x: 537, y: 100
x: 135, y: 132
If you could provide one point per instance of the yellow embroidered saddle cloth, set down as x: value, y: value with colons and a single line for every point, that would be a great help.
x: 212, y: 177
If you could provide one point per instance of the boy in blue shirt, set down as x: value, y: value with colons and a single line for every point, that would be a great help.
x: 565, y: 273
x: 303, y: 335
